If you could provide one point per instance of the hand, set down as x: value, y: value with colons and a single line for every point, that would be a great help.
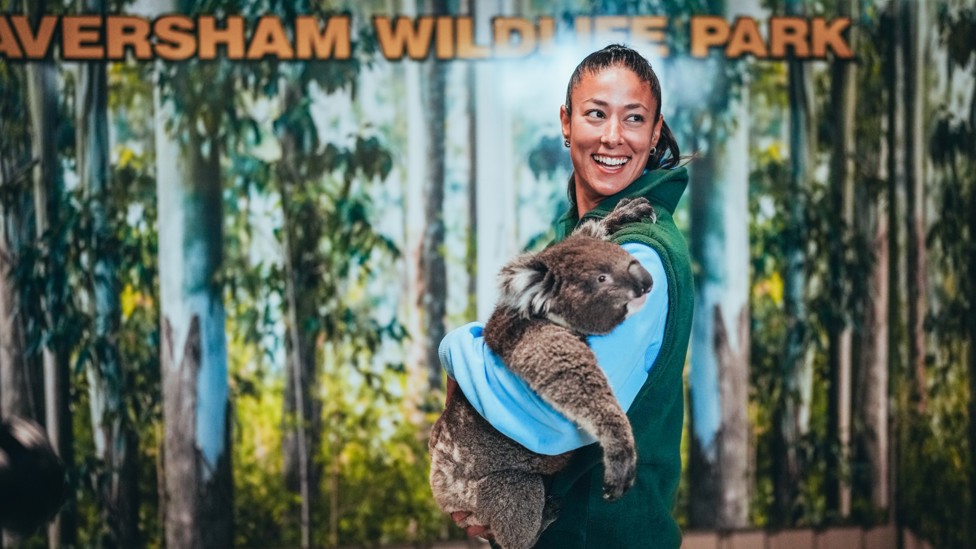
x: 473, y: 530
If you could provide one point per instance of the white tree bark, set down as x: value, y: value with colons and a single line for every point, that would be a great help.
x: 197, y: 492
x: 43, y: 112
x: 495, y: 171
x: 719, y: 376
x: 843, y: 110
x: 914, y: 32
x: 416, y: 176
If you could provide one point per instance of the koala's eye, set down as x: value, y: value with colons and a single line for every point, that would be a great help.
x: 602, y: 278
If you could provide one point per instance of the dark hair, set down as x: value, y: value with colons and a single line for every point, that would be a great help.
x: 32, y: 478
x: 618, y: 55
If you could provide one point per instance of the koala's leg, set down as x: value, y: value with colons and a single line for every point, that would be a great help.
x: 511, y: 503
x: 629, y: 210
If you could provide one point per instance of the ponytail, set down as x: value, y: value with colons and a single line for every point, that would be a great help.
x: 667, y: 154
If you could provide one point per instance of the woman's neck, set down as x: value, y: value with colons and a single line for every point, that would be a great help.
x: 583, y: 208
x: 583, y: 203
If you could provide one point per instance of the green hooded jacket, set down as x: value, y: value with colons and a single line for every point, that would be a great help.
x: 643, y: 517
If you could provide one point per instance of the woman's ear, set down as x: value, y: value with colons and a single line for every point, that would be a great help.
x: 656, y: 132
x: 564, y: 120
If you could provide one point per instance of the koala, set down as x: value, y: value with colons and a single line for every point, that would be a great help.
x: 550, y: 301
x: 32, y: 478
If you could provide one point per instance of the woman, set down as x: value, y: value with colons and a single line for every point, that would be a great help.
x: 620, y: 147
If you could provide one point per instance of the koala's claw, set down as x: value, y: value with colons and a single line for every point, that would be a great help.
x: 618, y: 479
x: 629, y: 210
x: 613, y: 492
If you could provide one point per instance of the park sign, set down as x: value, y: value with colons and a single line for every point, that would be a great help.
x: 175, y: 37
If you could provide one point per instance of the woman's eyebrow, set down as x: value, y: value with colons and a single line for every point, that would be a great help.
x: 630, y: 106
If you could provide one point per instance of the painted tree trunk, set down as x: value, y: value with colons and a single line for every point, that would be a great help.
x: 839, y: 333
x: 433, y: 299
x: 719, y: 377
x: 115, y: 440
x: 43, y: 112
x: 494, y: 165
x: 793, y: 412
x: 16, y: 397
x: 914, y: 158
x: 21, y: 385
x: 303, y: 409
x: 21, y: 382
x: 971, y: 368
x: 414, y: 224
x: 871, y: 354
x: 972, y: 343
x: 197, y: 491
x: 870, y: 409
x: 471, y: 249
x: 894, y: 142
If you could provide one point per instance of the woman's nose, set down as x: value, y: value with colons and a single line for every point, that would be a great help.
x: 611, y: 134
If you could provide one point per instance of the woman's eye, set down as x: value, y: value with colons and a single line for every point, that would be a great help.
x: 594, y: 113
x: 636, y: 118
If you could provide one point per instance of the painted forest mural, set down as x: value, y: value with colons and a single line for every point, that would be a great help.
x: 233, y: 274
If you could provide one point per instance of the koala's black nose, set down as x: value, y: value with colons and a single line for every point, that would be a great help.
x: 641, y: 277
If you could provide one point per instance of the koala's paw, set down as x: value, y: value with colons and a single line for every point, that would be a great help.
x: 629, y: 210
x: 619, y: 475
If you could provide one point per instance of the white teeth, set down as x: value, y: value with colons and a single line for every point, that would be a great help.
x: 611, y: 160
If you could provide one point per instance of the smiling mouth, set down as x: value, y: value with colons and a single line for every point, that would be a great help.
x: 610, y: 161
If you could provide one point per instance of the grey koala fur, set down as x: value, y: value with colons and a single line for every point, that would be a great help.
x: 550, y: 301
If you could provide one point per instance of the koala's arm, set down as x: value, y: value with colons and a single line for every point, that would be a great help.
x: 503, y: 398
x: 506, y: 401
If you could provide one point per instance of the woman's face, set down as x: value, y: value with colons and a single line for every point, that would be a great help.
x: 611, y: 132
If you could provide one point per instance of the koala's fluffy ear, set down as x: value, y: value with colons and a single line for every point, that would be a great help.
x: 526, y: 285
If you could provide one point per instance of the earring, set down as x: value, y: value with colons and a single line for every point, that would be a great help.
x: 653, y: 151
x: 566, y: 143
